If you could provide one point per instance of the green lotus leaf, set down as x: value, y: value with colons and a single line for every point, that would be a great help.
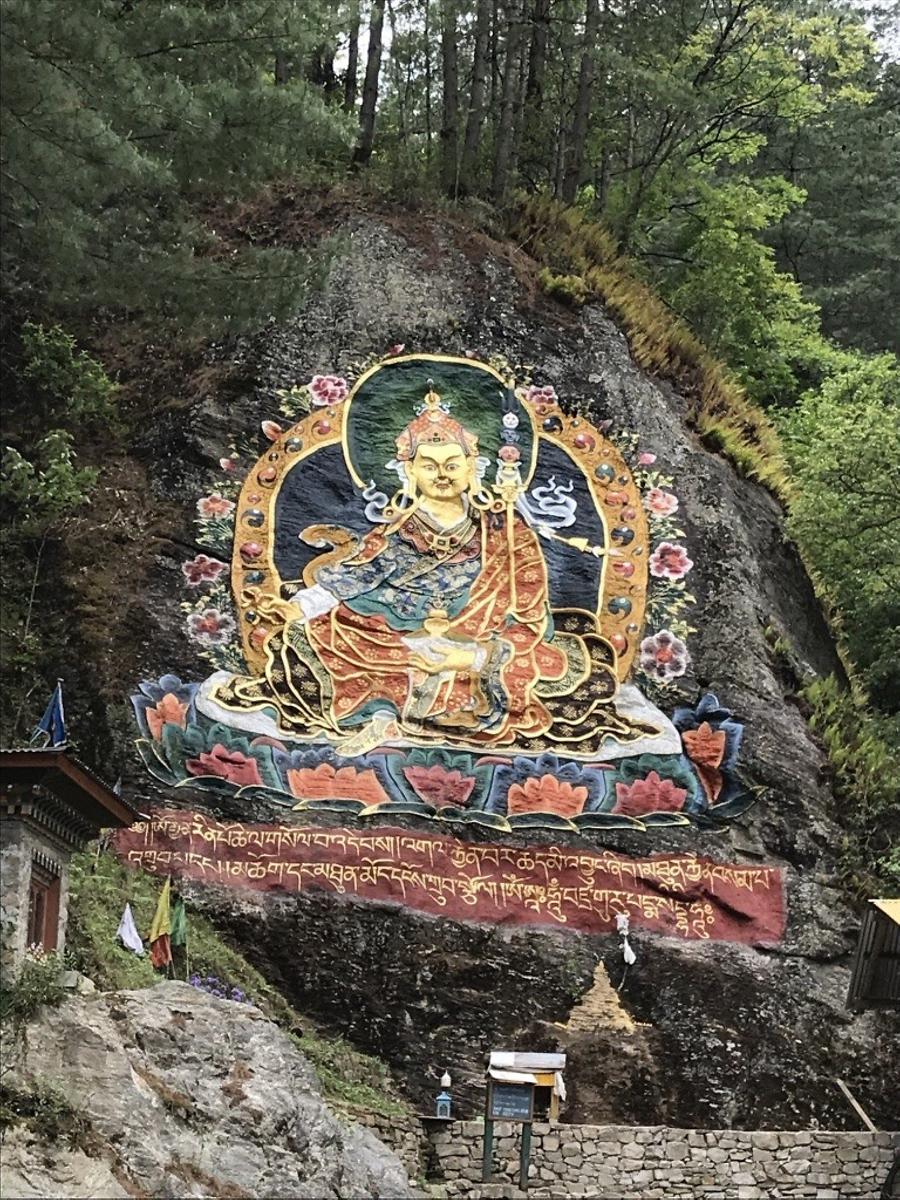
x: 539, y: 820
x: 606, y: 820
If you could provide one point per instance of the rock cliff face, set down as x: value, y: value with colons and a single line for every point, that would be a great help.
x: 185, y: 1095
x: 725, y: 1034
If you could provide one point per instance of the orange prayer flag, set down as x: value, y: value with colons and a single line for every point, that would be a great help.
x: 160, y: 930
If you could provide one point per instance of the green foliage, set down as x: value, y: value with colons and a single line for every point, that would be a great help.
x: 723, y: 281
x: 63, y: 380
x: 843, y: 444
x: 571, y: 289
x: 37, y: 984
x: 569, y: 245
x: 100, y: 886
x: 842, y: 244
x: 864, y: 752
x: 124, y: 123
x: 38, y: 493
x: 46, y: 1112
x: 54, y: 393
x: 348, y: 1077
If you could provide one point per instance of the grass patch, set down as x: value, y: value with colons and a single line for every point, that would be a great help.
x: 862, y: 751
x: 100, y: 886
x: 350, y: 1079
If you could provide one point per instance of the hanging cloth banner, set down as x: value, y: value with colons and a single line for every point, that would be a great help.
x: 178, y: 935
x: 127, y: 932
x: 161, y: 929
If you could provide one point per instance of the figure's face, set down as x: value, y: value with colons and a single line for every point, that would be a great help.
x: 440, y: 472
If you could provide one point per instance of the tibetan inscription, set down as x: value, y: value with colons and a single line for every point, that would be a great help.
x: 680, y: 895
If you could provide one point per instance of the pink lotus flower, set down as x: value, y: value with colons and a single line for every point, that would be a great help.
x: 214, y: 506
x: 646, y: 459
x: 541, y: 395
x: 393, y: 351
x: 328, y: 389
x: 210, y: 627
x: 272, y: 430
x: 226, y: 764
x: 663, y: 655
x: 438, y: 786
x: 649, y: 795
x: 202, y: 569
x: 227, y: 464
x: 669, y: 561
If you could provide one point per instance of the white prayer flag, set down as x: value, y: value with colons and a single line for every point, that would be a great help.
x: 127, y: 932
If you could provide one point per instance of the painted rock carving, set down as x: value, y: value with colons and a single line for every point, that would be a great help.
x: 444, y: 577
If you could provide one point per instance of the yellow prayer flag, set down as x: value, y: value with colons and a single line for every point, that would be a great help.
x: 162, y: 920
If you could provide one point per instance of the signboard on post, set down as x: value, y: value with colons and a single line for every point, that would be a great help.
x: 510, y: 1101
x: 510, y: 1097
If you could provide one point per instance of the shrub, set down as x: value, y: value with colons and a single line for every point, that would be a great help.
x: 47, y: 1112
x: 862, y: 751
x: 37, y: 984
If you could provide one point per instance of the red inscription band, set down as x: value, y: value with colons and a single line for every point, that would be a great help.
x: 557, y: 886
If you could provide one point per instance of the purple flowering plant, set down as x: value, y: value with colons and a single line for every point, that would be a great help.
x: 219, y: 988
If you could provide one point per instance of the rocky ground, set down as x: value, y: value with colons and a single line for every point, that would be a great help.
x: 726, y: 1034
x: 180, y: 1094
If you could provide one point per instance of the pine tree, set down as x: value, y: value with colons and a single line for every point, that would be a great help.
x: 121, y: 120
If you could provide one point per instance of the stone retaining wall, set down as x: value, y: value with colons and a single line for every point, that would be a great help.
x: 403, y: 1135
x: 656, y: 1162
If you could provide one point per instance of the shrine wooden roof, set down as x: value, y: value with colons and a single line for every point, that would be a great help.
x: 70, y: 781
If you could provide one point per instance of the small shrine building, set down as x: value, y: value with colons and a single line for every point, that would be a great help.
x: 51, y: 806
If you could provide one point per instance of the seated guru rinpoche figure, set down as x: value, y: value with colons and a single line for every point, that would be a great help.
x: 436, y: 625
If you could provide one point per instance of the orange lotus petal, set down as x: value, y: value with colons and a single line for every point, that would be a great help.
x: 324, y: 782
x: 169, y: 711
x: 705, y: 746
x: 546, y: 794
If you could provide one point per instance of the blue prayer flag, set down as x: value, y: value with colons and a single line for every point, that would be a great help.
x: 52, y: 724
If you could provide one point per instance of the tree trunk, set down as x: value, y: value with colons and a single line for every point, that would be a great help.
x: 519, y: 105
x: 495, y: 65
x: 575, y: 163
x: 475, y: 117
x: 537, y: 53
x: 427, y: 46
x: 366, y: 141
x: 535, y: 127
x: 450, y: 104
x: 350, y: 79
x: 506, y: 124
x: 320, y: 69
x: 603, y: 180
x: 282, y: 68
x: 559, y: 160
